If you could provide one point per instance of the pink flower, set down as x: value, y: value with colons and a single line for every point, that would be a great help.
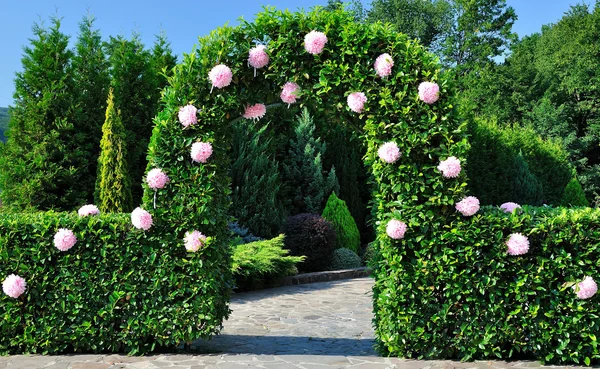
x: 187, y: 115
x: 450, y: 167
x: 468, y: 206
x: 389, y: 152
x: 201, y: 151
x: 194, y: 241
x: 314, y: 42
x: 429, y: 92
x: 509, y: 207
x: 517, y: 244
x: 141, y: 219
x: 395, y: 229
x: 156, y: 179
x: 64, y: 239
x: 86, y: 210
x: 587, y: 288
x: 257, y: 57
x: 14, y: 286
x: 255, y: 111
x: 356, y: 101
x: 383, y: 65
x: 220, y: 76
x: 290, y: 93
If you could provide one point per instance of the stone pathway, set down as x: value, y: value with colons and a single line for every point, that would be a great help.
x: 313, y: 326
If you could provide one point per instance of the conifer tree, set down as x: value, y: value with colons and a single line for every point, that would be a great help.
x: 303, y: 169
x: 526, y: 187
x: 574, y: 195
x: 40, y: 166
x: 134, y: 89
x: 113, y: 184
x: 256, y: 184
x: 90, y: 73
x: 337, y: 213
x: 162, y: 62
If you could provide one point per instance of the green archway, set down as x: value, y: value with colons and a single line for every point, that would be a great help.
x: 411, y: 189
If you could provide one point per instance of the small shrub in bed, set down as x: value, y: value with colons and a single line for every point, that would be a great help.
x: 312, y: 236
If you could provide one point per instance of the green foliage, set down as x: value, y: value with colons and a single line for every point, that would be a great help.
x: 574, y: 195
x: 134, y: 85
x: 91, y: 80
x: 476, y: 301
x: 526, y: 189
x: 42, y: 165
x: 303, y: 170
x: 262, y: 262
x: 255, y: 181
x: 492, y: 157
x: 311, y: 236
x: 4, y: 119
x: 116, y: 290
x: 346, y: 231
x: 113, y: 185
x: 344, y: 259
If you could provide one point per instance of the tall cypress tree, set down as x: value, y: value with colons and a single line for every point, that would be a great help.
x: 90, y: 72
x: 162, y: 62
x: 40, y: 166
x: 134, y: 90
x: 303, y: 169
x: 113, y: 184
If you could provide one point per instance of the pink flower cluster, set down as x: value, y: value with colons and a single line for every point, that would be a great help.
x: 14, y: 286
x: 255, y: 111
x: 389, y: 152
x: 517, y: 244
x: 450, y: 167
x: 290, y: 92
x: 314, y: 42
x: 468, y: 206
x: 587, y: 288
x: 194, y: 240
x: 156, y: 179
x: 187, y: 115
x: 64, y: 239
x: 141, y: 219
x: 220, y: 76
x: 86, y: 210
x: 356, y: 101
x: 201, y: 151
x: 383, y: 65
x: 395, y: 229
x: 429, y: 92
x: 258, y: 58
x: 509, y: 207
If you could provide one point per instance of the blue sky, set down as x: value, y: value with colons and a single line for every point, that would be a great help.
x: 182, y: 21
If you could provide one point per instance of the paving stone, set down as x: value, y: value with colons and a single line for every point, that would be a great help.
x: 89, y: 365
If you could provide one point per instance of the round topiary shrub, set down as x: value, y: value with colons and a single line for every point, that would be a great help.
x: 312, y: 236
x: 346, y: 231
x: 344, y: 259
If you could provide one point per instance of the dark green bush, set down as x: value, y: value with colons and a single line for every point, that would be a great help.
x: 346, y: 231
x: 492, y: 155
x: 526, y: 189
x: 574, y: 195
x: 476, y: 301
x: 261, y: 263
x: 115, y: 291
x: 311, y: 236
x: 344, y: 259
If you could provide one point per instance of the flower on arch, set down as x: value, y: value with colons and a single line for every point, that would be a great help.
x: 220, y: 76
x: 356, y: 101
x: 314, y: 42
x: 255, y: 111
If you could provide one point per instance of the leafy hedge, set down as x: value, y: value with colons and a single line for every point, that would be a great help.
x: 116, y: 290
x: 476, y: 301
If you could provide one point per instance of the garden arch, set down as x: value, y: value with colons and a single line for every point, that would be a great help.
x: 410, y: 188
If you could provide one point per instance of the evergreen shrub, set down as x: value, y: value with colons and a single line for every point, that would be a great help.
x: 262, y: 263
x: 337, y: 213
x: 344, y: 259
x: 573, y: 195
x: 312, y: 236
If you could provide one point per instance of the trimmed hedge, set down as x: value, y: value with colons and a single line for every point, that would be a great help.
x: 476, y: 301
x: 116, y: 290
x: 343, y: 258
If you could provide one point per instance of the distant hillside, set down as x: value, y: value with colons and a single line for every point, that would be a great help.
x: 3, y: 123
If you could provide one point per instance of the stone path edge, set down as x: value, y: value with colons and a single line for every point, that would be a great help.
x: 327, y: 276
